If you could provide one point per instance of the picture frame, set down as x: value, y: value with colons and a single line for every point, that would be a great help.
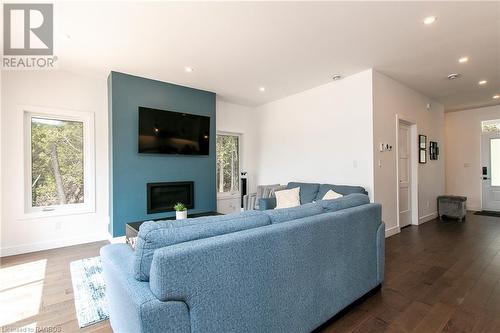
x: 422, y: 156
x: 422, y: 140
x: 422, y: 149
x: 433, y: 150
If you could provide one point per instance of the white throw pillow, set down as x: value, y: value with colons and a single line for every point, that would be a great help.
x: 287, y: 198
x: 332, y: 195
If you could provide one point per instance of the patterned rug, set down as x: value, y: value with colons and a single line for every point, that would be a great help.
x: 89, y: 291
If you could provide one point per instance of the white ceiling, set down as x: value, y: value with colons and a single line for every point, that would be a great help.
x: 288, y: 47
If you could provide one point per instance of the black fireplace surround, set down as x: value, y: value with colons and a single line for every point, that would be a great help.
x: 163, y: 196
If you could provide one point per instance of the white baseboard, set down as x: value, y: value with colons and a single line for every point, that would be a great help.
x: 116, y: 240
x: 427, y: 218
x: 52, y: 244
x: 392, y: 231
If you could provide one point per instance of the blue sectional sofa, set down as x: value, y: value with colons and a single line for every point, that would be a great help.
x: 310, y: 192
x: 283, y: 270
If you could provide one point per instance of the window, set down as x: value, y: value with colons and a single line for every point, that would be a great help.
x: 59, y: 161
x: 495, y: 161
x: 490, y: 126
x: 228, y: 163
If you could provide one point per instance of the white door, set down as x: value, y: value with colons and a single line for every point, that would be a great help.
x: 404, y: 172
x: 490, y: 155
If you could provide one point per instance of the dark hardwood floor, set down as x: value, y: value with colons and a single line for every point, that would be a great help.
x: 443, y: 276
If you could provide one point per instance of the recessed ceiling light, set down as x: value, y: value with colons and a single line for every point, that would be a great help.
x: 482, y: 82
x: 189, y: 69
x: 496, y: 96
x: 262, y: 89
x: 429, y: 20
x: 463, y: 60
x: 454, y: 76
x: 336, y: 77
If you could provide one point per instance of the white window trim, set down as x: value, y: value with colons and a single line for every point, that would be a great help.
x: 87, y: 118
x: 235, y: 194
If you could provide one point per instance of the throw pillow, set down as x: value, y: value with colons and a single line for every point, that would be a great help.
x: 287, y: 198
x: 331, y: 194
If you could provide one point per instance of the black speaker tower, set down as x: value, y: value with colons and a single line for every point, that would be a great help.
x: 243, y: 186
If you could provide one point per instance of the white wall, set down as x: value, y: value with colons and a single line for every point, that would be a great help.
x: 234, y: 118
x: 321, y: 135
x: 51, y: 89
x: 391, y: 98
x: 463, y: 152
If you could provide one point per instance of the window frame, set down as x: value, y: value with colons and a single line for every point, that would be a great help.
x: 227, y: 195
x: 87, y: 118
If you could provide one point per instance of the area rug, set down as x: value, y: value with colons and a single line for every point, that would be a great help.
x: 89, y: 291
x: 487, y: 213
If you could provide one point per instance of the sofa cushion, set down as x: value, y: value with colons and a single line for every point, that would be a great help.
x: 155, y: 235
x: 287, y: 214
x: 287, y: 198
x: 331, y: 194
x: 267, y: 203
x: 308, y: 191
x: 348, y: 201
x: 342, y: 189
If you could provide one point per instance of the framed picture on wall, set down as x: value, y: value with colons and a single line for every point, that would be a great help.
x: 422, y: 157
x: 422, y: 139
x: 433, y: 150
x: 422, y: 149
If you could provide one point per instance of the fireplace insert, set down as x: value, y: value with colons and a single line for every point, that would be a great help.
x: 163, y: 196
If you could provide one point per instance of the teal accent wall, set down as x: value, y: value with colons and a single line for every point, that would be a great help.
x: 131, y: 171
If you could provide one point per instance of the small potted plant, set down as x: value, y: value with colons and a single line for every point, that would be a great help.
x: 180, y: 211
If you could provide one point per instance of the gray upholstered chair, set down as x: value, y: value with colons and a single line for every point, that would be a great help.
x: 251, y: 201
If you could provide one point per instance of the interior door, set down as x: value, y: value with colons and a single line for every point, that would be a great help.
x: 404, y: 165
x: 490, y: 155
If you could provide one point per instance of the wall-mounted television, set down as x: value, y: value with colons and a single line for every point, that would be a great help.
x: 167, y: 132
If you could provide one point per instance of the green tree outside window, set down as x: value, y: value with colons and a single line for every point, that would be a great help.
x: 57, y: 170
x: 228, y: 173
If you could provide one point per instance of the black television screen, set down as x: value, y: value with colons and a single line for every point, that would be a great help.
x: 166, y: 132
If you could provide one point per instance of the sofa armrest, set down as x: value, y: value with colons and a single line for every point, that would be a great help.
x: 267, y: 203
x: 131, y: 304
x: 381, y: 252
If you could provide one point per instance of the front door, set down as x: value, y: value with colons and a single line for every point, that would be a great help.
x: 404, y: 172
x: 490, y: 155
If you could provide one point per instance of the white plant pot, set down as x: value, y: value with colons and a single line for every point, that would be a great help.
x: 181, y: 215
